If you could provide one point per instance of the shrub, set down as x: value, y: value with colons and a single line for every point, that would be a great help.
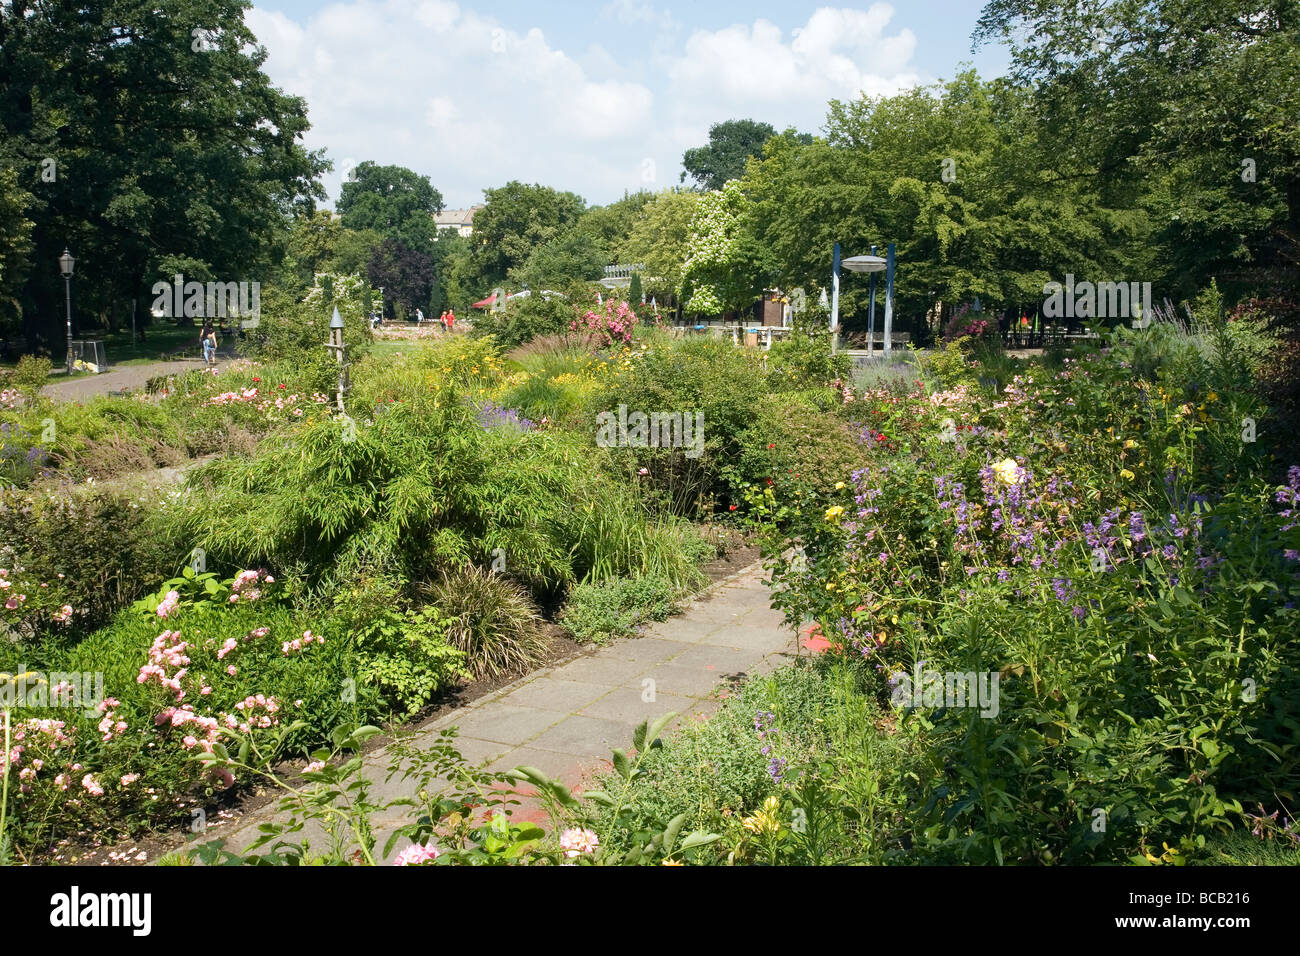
x: 403, y: 651
x: 493, y: 621
x: 30, y: 376
x: 801, y: 360
x: 99, y: 550
x: 523, y: 320
x: 128, y: 762
x: 614, y: 607
x: 712, y: 379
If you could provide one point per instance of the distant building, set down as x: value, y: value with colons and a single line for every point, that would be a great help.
x: 460, y: 221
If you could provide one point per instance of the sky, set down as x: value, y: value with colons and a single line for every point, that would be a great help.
x: 598, y: 98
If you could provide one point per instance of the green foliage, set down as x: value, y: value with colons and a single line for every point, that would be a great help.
x: 491, y: 620
x: 515, y: 220
x: 947, y: 367
x: 403, y: 651
x: 726, y: 266
x: 707, y: 377
x: 601, y: 610
x: 834, y: 804
x: 100, y: 549
x: 15, y: 247
x: 523, y: 320
x: 658, y: 239
x: 209, y: 204
x: 1129, y: 79
x: 30, y: 375
x: 731, y: 145
x: 393, y: 201
x: 801, y: 360
x: 1093, y: 526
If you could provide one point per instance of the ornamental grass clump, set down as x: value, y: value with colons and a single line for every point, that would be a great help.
x: 493, y: 621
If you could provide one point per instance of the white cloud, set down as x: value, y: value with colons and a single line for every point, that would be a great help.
x: 839, y: 53
x: 473, y: 102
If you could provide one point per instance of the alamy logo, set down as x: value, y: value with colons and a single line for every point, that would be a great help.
x: 656, y: 430
x: 195, y: 300
x: 84, y: 690
x: 74, y: 909
x: 1101, y: 300
x: 928, y: 688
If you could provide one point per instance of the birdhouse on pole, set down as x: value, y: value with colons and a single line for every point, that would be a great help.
x: 337, y: 345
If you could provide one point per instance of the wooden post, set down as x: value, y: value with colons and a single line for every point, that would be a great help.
x: 340, y: 354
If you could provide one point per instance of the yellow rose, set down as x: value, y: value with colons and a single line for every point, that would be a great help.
x: 1008, y: 471
x: 834, y: 513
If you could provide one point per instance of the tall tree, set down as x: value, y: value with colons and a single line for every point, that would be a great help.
x: 15, y: 247
x: 516, y: 219
x: 151, y: 143
x: 394, y: 201
x: 1188, y: 108
x: 951, y: 175
x: 658, y: 239
x: 731, y: 145
x: 405, y: 274
x: 726, y: 267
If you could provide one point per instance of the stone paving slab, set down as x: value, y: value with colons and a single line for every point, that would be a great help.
x: 565, y: 719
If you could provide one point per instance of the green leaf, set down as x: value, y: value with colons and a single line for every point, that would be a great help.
x: 657, y: 727
x: 670, y: 832
x: 699, y: 838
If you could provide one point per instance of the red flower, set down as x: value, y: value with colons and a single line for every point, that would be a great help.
x: 731, y: 507
x: 282, y: 385
x: 257, y: 380
x: 771, y: 444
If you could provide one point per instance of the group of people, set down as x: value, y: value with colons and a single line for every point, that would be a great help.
x: 447, y: 320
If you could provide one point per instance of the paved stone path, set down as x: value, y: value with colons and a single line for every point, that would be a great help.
x: 565, y: 720
x: 125, y: 376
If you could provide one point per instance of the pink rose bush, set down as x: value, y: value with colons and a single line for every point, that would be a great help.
x: 607, y: 325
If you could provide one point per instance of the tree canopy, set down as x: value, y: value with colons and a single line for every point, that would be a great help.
x: 731, y: 145
x: 150, y: 142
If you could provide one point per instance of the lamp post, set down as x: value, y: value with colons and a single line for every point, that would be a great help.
x: 872, y: 264
x: 871, y: 321
x: 66, y: 263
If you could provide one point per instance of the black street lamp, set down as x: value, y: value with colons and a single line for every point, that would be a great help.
x: 66, y: 262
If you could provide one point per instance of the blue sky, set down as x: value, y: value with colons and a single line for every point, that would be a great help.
x: 599, y: 98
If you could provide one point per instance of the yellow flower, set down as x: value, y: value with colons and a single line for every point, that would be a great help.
x: 839, y: 486
x: 765, y: 820
x: 830, y: 586
x: 1008, y: 471
x: 1212, y: 397
x: 834, y: 513
x: 1130, y: 443
x: 1126, y: 474
x: 671, y: 863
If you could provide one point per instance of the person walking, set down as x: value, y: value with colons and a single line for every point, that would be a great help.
x: 208, y: 339
x: 451, y: 319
